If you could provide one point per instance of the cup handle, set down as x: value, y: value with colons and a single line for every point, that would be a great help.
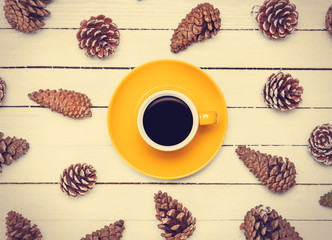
x: 207, y: 118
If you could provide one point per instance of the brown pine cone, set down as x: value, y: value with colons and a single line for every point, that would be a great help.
x: 266, y: 224
x: 69, y: 103
x: 275, y: 173
x: 277, y: 18
x: 177, y: 222
x: 111, y: 232
x: 19, y: 228
x: 3, y: 89
x: 328, y: 20
x: 282, y: 92
x: 320, y: 143
x: 203, y: 21
x: 326, y: 200
x: 26, y: 15
x: 99, y: 36
x: 78, y: 179
x: 11, y: 149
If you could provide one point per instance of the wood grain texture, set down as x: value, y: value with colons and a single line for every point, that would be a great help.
x: 209, y: 230
x: 241, y: 88
x: 239, y: 59
x: 71, y: 218
x: 44, y: 164
x: 39, y: 125
x: 165, y: 14
x: 245, y: 49
x: 135, y: 202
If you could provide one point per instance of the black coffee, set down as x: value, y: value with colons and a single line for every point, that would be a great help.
x: 167, y: 120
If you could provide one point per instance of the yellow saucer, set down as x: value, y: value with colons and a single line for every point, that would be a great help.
x: 165, y: 75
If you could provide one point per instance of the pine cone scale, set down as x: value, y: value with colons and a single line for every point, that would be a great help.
x: 26, y: 16
x: 202, y: 21
x: 2, y: 146
x: 328, y: 20
x: 111, y: 232
x: 68, y: 103
x: 320, y: 143
x: 98, y: 36
x: 261, y: 224
x: 277, y: 19
x: 78, y: 179
x: 274, y: 173
x: 3, y: 89
x: 19, y: 227
x: 177, y: 222
x: 282, y: 92
x: 326, y: 200
x: 11, y: 149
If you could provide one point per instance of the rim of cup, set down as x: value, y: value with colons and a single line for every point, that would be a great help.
x: 171, y: 93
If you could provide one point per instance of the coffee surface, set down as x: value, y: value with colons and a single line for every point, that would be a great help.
x: 167, y: 120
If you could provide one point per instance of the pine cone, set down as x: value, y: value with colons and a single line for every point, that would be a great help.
x: 203, y: 21
x: 26, y: 15
x: 326, y: 200
x: 19, y: 228
x: 328, y: 20
x: 69, y: 103
x: 275, y: 173
x: 320, y: 143
x: 11, y: 149
x: 99, y: 36
x: 277, y: 18
x: 78, y: 179
x: 266, y: 224
x: 176, y: 221
x: 3, y: 88
x: 282, y: 92
x: 111, y: 232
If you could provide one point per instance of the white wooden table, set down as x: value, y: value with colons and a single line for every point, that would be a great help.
x: 239, y: 59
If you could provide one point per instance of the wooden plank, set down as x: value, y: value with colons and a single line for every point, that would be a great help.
x: 167, y: 14
x: 245, y: 126
x: 241, y: 88
x: 98, y: 85
x: 46, y: 163
x: 209, y: 230
x: 264, y: 126
x: 228, y: 49
x: 135, y: 202
x: 221, y: 193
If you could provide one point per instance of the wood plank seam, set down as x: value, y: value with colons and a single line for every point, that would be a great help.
x: 172, y: 29
x: 203, y: 68
x: 164, y: 183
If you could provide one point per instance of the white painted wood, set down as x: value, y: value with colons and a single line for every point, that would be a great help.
x: 245, y: 126
x: 69, y: 218
x: 46, y: 163
x: 221, y: 193
x: 241, y: 88
x: 168, y: 13
x: 209, y: 230
x: 135, y: 202
x: 227, y: 49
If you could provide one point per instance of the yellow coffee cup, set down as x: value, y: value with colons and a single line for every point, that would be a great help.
x: 168, y: 120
